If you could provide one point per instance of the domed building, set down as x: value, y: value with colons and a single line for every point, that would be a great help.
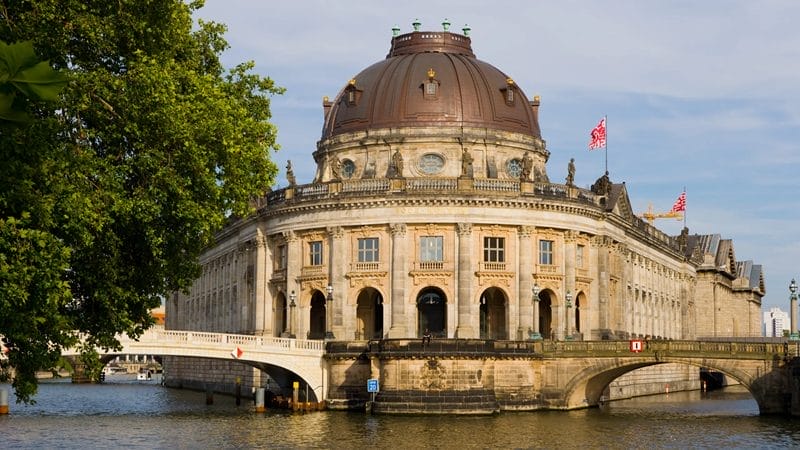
x: 432, y: 210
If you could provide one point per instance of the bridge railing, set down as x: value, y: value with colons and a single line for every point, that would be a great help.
x: 160, y: 336
x: 749, y: 350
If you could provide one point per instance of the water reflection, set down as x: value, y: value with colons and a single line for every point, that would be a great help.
x: 145, y: 415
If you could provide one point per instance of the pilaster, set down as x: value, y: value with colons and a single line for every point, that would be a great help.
x: 464, y: 327
x: 399, y: 328
x: 525, y: 270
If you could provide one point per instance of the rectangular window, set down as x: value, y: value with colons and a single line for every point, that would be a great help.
x: 546, y: 252
x: 579, y: 256
x: 431, y: 248
x: 368, y: 250
x: 280, y: 257
x: 315, y: 253
x: 494, y: 249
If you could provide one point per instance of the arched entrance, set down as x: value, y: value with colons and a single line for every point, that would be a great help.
x: 546, y: 315
x: 280, y: 316
x: 369, y: 315
x: 493, y: 314
x: 581, y: 312
x: 432, y: 312
x: 316, y: 324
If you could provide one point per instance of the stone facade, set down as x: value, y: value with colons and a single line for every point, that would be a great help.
x: 435, y: 213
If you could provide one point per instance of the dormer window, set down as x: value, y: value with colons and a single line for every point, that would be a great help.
x: 431, y: 86
x: 509, y: 91
x: 352, y: 93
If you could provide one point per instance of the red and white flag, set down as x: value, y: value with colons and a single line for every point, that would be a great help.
x: 237, y: 353
x: 680, y: 203
x: 597, y: 138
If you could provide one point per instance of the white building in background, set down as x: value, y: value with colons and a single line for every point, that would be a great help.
x: 776, y: 322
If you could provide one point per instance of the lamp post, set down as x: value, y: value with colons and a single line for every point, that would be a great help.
x: 535, y: 335
x: 793, y: 335
x: 292, y: 304
x: 568, y: 303
x: 329, y: 314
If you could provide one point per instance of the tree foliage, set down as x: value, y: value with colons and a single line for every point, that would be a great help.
x: 110, y: 192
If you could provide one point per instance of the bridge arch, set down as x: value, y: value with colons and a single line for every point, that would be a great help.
x: 586, y: 386
x: 291, y: 359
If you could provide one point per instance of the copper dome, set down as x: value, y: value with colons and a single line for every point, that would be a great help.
x: 430, y: 79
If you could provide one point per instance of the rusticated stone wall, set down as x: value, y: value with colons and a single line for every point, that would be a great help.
x: 219, y: 376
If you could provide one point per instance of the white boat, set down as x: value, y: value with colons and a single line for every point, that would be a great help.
x: 144, y: 374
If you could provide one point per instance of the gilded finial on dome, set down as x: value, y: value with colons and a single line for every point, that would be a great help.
x: 325, y: 99
x: 509, y: 81
x: 352, y: 82
x: 431, y: 73
x: 537, y: 98
x: 416, y: 24
x: 446, y: 24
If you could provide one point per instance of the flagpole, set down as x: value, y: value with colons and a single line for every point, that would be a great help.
x: 605, y: 119
x: 684, y: 209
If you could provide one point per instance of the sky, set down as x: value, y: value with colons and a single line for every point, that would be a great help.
x: 702, y: 96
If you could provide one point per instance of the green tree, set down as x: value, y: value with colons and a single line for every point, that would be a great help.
x: 109, y: 193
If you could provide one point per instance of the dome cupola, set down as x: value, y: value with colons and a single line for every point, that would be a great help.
x: 430, y: 90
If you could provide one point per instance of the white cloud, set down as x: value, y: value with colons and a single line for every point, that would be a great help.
x: 698, y: 94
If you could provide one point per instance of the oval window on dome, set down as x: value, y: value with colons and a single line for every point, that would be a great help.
x: 430, y: 163
x: 348, y: 168
x: 514, y: 168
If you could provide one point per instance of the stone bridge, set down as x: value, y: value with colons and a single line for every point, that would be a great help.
x: 760, y: 367
x: 477, y: 376
x: 501, y: 375
x: 302, y: 357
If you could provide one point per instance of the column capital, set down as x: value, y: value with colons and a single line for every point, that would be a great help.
x: 464, y: 229
x: 336, y: 232
x: 526, y: 230
x: 398, y: 229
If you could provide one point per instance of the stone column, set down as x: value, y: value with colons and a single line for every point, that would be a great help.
x: 338, y: 261
x: 465, y: 276
x: 262, y: 270
x: 525, y: 295
x: 398, y: 300
x: 570, y: 242
x: 294, y: 265
x: 602, y: 244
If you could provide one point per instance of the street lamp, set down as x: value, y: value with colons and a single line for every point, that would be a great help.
x: 793, y: 335
x: 568, y: 299
x: 535, y: 335
x: 292, y: 304
x: 329, y: 313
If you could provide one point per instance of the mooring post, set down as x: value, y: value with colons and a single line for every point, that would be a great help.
x: 238, y: 391
x: 3, y: 401
x: 260, y: 400
x: 209, y: 395
x: 295, y: 395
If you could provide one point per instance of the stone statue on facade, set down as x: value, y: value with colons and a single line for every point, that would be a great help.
x: 466, y: 163
x: 290, y: 174
x: 396, y: 168
x: 571, y: 172
x: 336, y: 168
x: 602, y: 186
x: 527, y: 167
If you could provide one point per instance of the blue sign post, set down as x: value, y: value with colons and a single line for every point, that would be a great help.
x: 373, y: 385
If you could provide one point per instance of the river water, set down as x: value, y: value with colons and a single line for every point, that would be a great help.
x: 124, y: 413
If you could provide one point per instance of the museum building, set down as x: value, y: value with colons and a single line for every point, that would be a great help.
x: 432, y: 211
